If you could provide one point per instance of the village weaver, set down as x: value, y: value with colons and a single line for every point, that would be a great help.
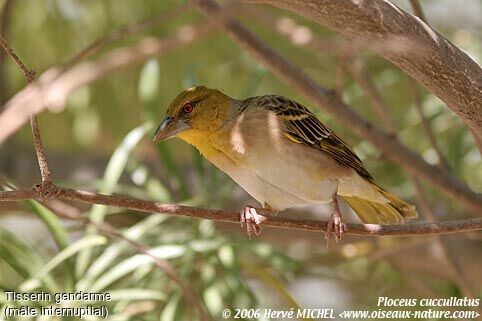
x: 281, y: 154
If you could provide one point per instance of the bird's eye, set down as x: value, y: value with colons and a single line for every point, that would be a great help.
x: 187, y: 108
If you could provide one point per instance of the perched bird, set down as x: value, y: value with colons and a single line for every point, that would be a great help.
x: 281, y: 154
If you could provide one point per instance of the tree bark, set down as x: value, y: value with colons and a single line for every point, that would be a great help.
x: 407, y: 42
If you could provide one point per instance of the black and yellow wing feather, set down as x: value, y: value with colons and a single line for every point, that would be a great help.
x: 303, y: 127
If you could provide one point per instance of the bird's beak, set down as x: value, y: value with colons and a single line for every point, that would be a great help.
x: 169, y: 128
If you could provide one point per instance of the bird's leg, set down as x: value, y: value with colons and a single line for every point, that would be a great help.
x: 253, y: 220
x: 335, y: 224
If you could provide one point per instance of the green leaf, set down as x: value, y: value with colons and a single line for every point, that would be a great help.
x: 53, y: 223
x: 171, y: 309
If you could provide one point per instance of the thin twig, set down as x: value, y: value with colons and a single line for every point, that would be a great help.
x: 135, y: 204
x: 39, y: 149
x: 29, y: 74
x: 4, y: 27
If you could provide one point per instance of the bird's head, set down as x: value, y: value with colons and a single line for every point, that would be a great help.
x: 198, y: 109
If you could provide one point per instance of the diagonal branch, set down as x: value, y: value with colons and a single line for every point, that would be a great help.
x: 39, y: 149
x: 135, y: 204
x: 5, y: 14
x: 389, y: 144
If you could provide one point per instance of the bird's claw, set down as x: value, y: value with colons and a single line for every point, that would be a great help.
x: 253, y: 221
x: 335, y: 226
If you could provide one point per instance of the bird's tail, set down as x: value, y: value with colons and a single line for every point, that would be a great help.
x: 395, y: 211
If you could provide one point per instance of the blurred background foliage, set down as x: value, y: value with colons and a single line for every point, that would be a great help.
x: 101, y: 141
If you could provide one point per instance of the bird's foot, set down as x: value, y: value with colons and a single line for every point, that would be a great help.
x: 335, y: 224
x: 253, y: 220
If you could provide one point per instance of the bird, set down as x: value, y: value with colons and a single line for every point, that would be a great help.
x: 281, y: 154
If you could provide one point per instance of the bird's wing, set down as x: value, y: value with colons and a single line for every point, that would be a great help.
x: 303, y: 127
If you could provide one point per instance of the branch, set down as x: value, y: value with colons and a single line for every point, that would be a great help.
x: 408, y: 43
x: 389, y: 144
x: 29, y: 74
x: 39, y: 149
x: 5, y: 13
x: 135, y: 204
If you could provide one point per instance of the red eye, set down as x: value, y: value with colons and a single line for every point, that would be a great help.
x: 187, y: 108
